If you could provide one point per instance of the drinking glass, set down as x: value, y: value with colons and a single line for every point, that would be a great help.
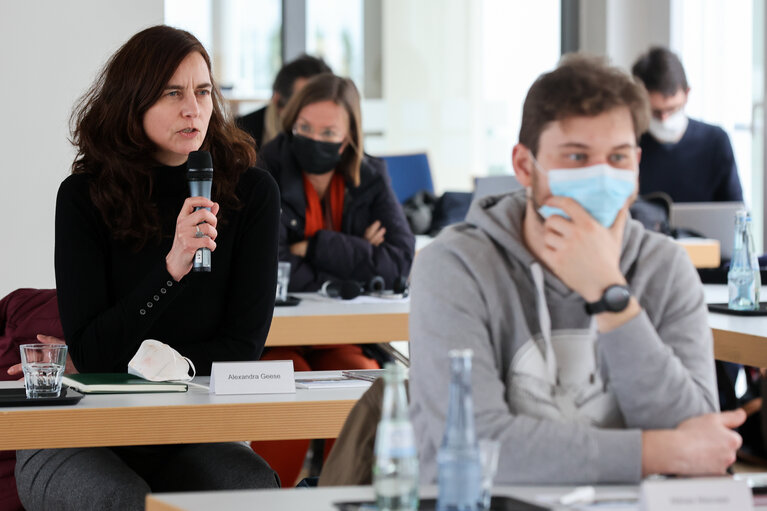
x: 43, y: 366
x: 283, y: 278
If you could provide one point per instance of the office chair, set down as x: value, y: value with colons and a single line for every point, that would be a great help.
x: 409, y: 174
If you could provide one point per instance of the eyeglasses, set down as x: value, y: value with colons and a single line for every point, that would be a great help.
x: 324, y: 135
x: 662, y: 113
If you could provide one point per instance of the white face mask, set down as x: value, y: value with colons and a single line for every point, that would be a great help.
x: 155, y: 361
x: 670, y: 130
x: 600, y: 189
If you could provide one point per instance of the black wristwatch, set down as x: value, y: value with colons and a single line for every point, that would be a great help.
x: 614, y: 299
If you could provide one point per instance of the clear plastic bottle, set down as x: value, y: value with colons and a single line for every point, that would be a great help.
x: 743, y: 279
x: 459, y: 470
x: 395, y: 473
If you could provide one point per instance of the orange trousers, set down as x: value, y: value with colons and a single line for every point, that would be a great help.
x: 286, y: 457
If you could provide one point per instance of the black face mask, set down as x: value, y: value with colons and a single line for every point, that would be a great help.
x: 315, y: 157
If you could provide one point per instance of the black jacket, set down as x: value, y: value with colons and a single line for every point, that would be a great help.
x: 253, y: 123
x: 346, y: 254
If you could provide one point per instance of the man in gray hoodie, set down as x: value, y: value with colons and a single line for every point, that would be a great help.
x: 593, y: 359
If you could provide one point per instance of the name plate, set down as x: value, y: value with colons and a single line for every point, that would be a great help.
x: 699, y: 494
x: 272, y: 377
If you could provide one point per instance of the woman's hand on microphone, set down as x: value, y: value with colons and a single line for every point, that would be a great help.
x: 185, y: 242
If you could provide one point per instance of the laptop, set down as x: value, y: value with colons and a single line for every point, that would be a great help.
x: 495, y: 185
x: 714, y: 220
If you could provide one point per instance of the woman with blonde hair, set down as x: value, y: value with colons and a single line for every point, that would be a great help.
x: 340, y: 219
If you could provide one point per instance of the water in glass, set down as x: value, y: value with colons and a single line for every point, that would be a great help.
x: 743, y: 278
x: 43, y: 379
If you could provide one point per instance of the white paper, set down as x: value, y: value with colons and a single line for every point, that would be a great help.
x: 330, y: 382
x: 265, y: 377
x: 605, y: 499
x: 698, y: 494
x: 375, y: 299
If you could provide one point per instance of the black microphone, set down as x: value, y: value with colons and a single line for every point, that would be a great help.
x: 200, y: 177
x: 345, y: 289
x: 376, y: 285
x: 400, y: 285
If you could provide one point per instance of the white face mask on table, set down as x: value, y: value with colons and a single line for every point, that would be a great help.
x: 156, y: 361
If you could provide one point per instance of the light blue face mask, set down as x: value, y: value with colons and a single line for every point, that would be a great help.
x: 602, y: 190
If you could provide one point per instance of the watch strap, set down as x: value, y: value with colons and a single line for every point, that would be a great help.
x: 604, y: 304
x: 596, y: 307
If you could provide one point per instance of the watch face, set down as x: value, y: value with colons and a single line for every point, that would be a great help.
x: 616, y: 298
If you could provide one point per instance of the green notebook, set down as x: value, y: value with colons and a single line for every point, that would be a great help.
x: 118, y: 383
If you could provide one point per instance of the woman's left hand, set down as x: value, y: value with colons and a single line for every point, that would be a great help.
x: 299, y: 248
x: 375, y: 233
x: 16, y: 370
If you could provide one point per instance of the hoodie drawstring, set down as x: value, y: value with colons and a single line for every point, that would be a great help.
x: 544, y: 319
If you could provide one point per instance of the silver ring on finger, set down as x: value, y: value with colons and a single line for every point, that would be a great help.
x: 199, y: 233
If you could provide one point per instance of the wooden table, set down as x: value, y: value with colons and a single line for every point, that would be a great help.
x: 171, y: 418
x: 704, y: 253
x: 324, y: 499
x: 321, y: 320
x: 739, y: 339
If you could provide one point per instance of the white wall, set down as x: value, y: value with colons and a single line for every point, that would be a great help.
x: 455, y: 74
x: 51, y: 52
x: 429, y: 74
x: 624, y: 29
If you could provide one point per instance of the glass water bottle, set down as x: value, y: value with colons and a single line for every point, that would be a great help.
x: 743, y: 279
x: 395, y: 473
x: 459, y: 469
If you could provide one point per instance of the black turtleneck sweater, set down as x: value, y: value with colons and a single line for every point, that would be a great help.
x: 111, y: 298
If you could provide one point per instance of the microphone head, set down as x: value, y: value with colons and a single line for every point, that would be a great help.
x: 199, y: 160
x: 350, y: 289
x: 344, y: 289
x: 400, y: 285
x: 376, y: 284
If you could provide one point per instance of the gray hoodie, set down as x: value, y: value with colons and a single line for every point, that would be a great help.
x: 567, y: 404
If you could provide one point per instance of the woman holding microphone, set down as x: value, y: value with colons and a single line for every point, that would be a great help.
x: 126, y: 235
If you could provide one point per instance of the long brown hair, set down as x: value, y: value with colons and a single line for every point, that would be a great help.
x: 342, y: 92
x: 107, y: 129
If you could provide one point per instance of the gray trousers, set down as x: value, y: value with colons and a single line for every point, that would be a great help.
x: 119, y: 478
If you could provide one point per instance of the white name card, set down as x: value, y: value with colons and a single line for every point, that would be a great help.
x: 699, y: 494
x: 272, y: 377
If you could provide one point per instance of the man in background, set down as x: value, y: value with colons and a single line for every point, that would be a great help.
x: 263, y: 124
x: 689, y: 160
x: 693, y: 162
